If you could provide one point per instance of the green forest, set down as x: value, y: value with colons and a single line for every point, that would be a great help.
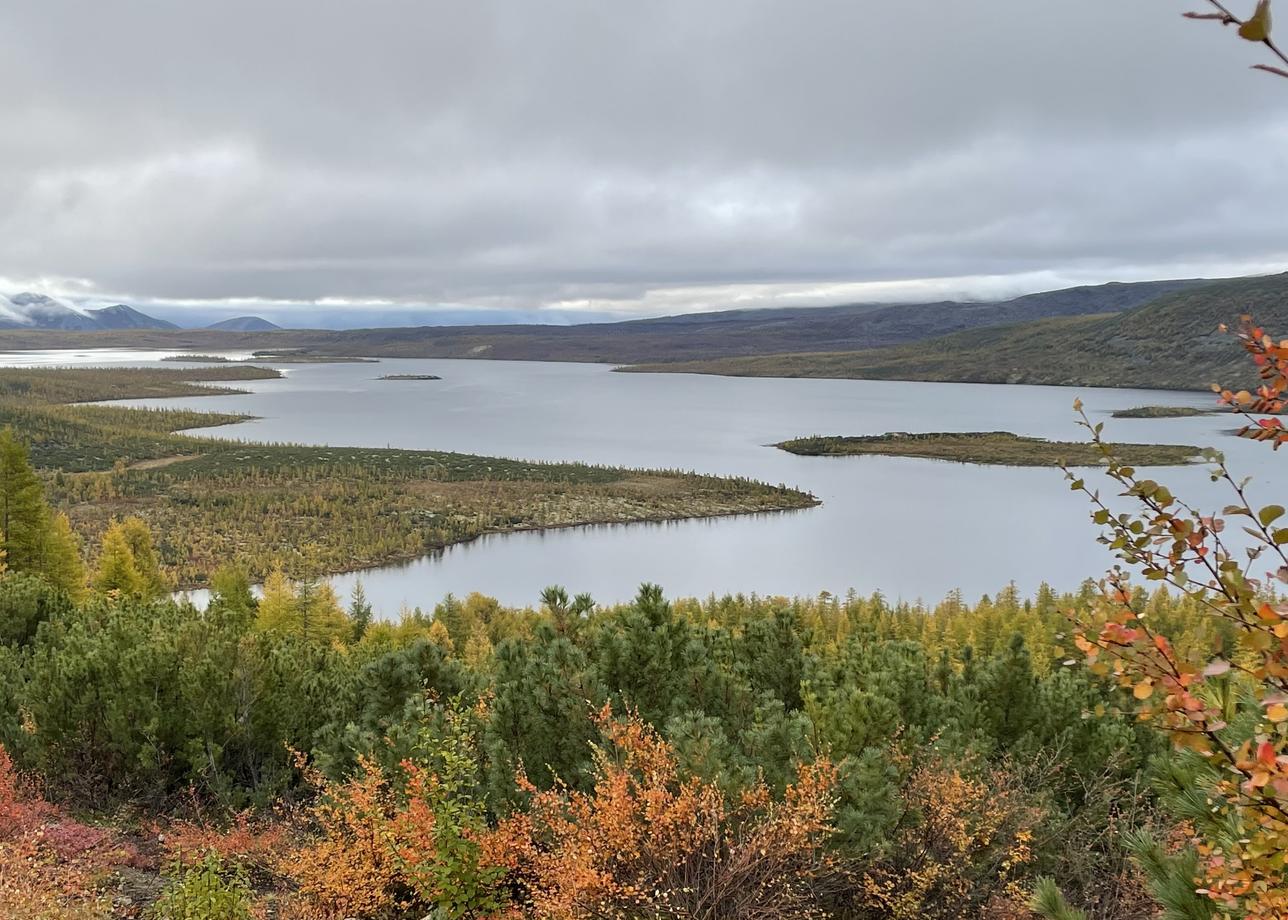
x: 311, y: 761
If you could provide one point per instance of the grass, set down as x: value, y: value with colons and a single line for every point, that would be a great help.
x: 316, y: 510
x: 999, y: 448
x: 96, y: 384
x: 285, y: 358
x: 1162, y: 412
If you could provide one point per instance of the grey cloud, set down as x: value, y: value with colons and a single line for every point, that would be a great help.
x: 629, y: 157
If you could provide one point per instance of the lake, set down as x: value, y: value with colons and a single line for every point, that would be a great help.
x: 912, y: 529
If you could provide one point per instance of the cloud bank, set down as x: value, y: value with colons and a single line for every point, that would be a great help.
x: 583, y: 158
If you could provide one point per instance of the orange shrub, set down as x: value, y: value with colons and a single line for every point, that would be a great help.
x: 645, y: 842
x: 350, y: 868
x: 958, y: 853
x: 256, y: 846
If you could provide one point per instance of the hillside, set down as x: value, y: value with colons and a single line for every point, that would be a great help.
x: 27, y: 311
x: 1169, y: 343
x: 703, y: 336
x: 245, y: 324
x: 122, y: 316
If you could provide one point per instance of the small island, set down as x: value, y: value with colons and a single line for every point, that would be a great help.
x: 292, y: 357
x: 1001, y: 448
x: 275, y: 357
x: 1162, y: 412
x: 410, y: 377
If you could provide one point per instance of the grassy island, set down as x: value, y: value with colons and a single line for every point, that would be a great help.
x: 284, y: 358
x: 199, y: 359
x: 1162, y: 412
x: 1001, y: 448
x: 316, y: 510
x: 410, y: 377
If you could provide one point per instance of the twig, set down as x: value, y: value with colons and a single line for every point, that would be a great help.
x: 1226, y: 18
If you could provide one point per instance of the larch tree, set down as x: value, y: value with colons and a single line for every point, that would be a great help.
x: 309, y: 611
x: 116, y: 573
x: 139, y: 537
x: 60, y: 557
x: 23, y: 514
x: 127, y: 563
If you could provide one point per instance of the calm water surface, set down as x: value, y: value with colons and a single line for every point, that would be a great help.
x: 909, y: 528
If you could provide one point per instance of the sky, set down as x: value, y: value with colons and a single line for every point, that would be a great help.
x: 371, y: 161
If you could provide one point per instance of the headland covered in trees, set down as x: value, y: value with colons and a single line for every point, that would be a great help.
x: 308, y: 510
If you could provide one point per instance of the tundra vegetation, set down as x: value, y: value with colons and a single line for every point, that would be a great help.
x: 308, y: 510
x: 1161, y: 412
x: 1117, y: 752
x: 991, y: 447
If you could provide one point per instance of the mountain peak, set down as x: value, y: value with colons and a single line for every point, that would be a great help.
x: 123, y: 316
x: 245, y: 324
x: 28, y: 310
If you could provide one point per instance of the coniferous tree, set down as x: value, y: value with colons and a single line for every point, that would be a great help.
x: 60, y: 559
x: 230, y: 590
x: 545, y: 694
x: 360, y: 612
x: 774, y: 657
x: 309, y: 611
x: 23, y: 514
x: 26, y: 601
x: 277, y: 606
x: 1008, y: 692
x: 643, y: 658
x: 139, y: 537
x: 117, y: 572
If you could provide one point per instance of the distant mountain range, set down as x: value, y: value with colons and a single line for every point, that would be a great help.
x: 702, y: 336
x: 40, y: 311
x: 1150, y: 334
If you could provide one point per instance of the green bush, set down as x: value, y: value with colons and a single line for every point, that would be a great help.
x: 208, y: 890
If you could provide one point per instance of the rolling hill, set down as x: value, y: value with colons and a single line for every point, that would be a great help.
x: 245, y: 324
x: 726, y: 334
x: 1150, y: 334
x: 1171, y: 342
x: 121, y: 316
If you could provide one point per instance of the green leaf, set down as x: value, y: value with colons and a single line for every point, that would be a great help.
x: 1270, y: 514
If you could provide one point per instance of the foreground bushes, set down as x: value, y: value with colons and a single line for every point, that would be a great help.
x: 582, y: 762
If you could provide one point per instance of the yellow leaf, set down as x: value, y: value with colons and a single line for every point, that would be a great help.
x: 1257, y: 29
x: 1277, y: 713
x: 1143, y: 690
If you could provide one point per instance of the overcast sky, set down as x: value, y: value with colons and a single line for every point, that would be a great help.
x: 605, y: 157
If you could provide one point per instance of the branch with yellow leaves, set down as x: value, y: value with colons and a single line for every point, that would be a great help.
x: 1255, y: 28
